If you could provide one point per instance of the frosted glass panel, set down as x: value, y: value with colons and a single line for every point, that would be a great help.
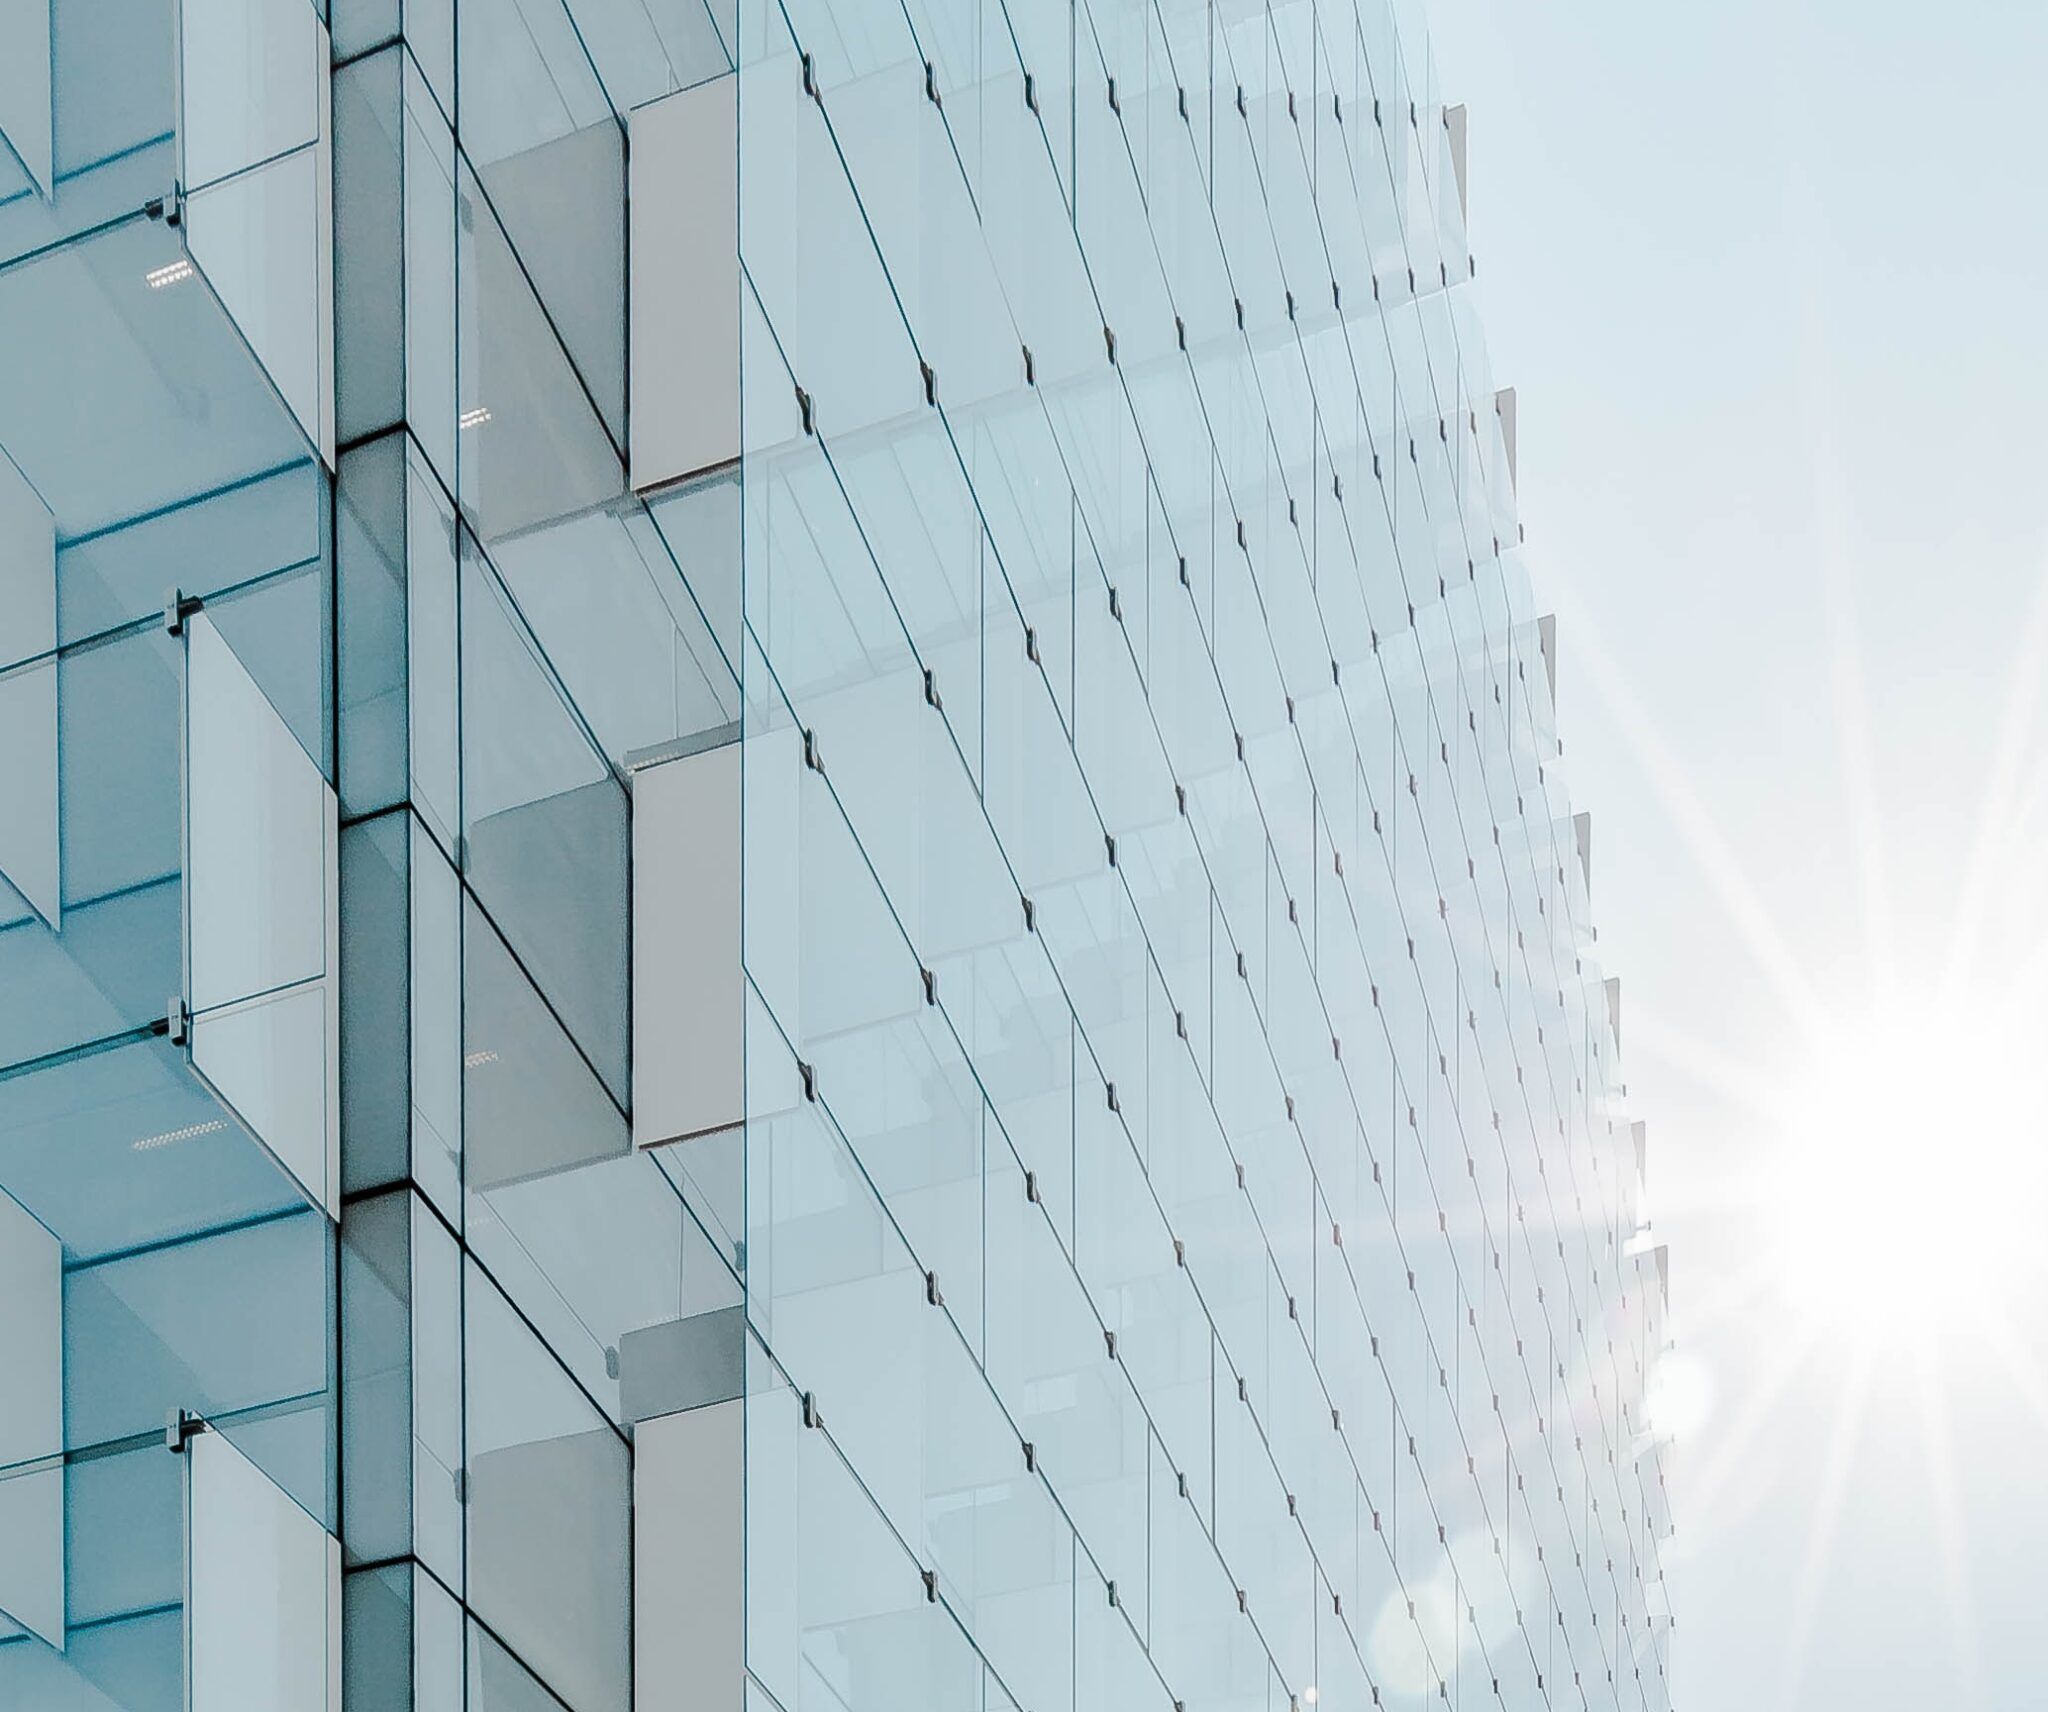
x: 272, y: 1059
x: 254, y: 82
x: 25, y: 90
x: 255, y: 137
x: 260, y: 819
x: 28, y: 786
x: 263, y: 240
x: 31, y: 1424
x: 28, y: 697
x: 262, y: 850
x: 28, y: 568
x: 263, y: 1602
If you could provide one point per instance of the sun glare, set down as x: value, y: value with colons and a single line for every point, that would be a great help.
x: 1911, y: 1171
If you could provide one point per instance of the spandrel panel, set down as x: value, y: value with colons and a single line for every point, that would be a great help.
x: 376, y: 1377
x: 371, y: 575
x: 369, y: 274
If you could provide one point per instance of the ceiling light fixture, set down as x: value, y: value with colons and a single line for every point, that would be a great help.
x: 150, y: 1142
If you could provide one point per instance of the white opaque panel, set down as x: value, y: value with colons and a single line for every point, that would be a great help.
x: 689, y: 1620
x: 25, y: 73
x: 683, y: 291
x: 262, y: 1591
x: 254, y: 82
x: 688, y: 988
x: 31, y: 1424
x: 261, y: 886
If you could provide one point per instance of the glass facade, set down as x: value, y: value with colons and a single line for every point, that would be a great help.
x: 786, y: 915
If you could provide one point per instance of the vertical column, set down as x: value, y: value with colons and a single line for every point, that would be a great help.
x: 397, y: 542
x: 395, y: 222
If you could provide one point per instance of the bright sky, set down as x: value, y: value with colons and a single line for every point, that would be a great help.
x: 1771, y: 280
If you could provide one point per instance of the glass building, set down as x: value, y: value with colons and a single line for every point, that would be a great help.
x: 786, y: 920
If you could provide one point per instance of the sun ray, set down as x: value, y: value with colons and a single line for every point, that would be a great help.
x: 1829, y: 1502
x: 2016, y: 745
x: 1733, y: 1441
x: 1957, y: 1600
x: 1705, y: 1063
x: 2017, y: 1363
x: 1829, y: 509
x: 1716, y: 858
x: 1713, y: 1303
x: 1859, y: 773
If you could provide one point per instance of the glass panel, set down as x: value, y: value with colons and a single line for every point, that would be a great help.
x: 263, y: 1620
x: 545, y: 828
x: 548, y: 1512
x: 263, y: 242
x: 229, y: 1326
x: 28, y: 786
x: 31, y: 1424
x: 252, y: 78
x: 262, y: 831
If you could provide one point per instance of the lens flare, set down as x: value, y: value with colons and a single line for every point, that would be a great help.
x: 1911, y: 1170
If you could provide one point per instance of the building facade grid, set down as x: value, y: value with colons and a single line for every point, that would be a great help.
x: 826, y: 719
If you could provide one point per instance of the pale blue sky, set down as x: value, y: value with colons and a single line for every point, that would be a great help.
x: 1770, y: 278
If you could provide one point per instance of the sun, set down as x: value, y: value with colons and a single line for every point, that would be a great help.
x: 1911, y: 1170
